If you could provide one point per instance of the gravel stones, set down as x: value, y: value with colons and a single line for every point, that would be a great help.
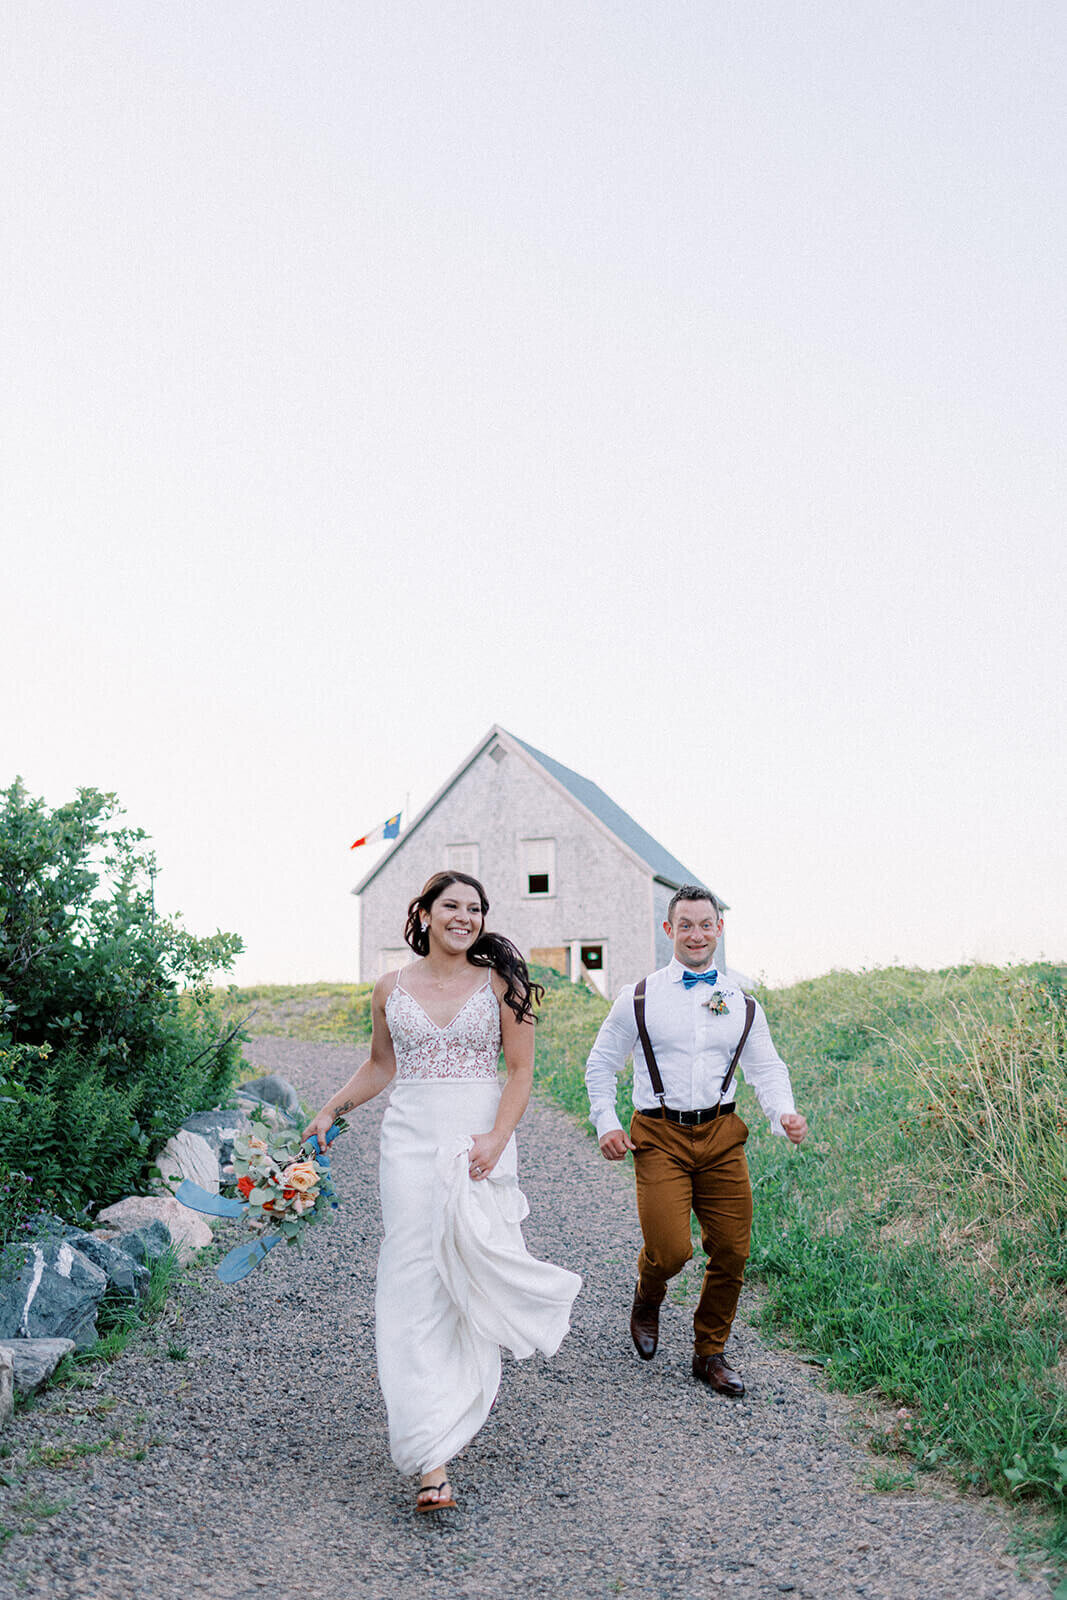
x: 266, y: 1467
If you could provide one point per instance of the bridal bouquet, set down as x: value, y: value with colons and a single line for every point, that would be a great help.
x: 283, y: 1187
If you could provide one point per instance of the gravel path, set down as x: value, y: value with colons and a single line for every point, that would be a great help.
x: 264, y: 1463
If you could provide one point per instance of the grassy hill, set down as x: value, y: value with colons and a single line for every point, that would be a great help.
x: 916, y: 1244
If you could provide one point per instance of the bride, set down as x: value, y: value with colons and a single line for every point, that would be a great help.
x: 455, y: 1280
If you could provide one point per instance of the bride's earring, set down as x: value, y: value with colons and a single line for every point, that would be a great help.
x: 425, y: 926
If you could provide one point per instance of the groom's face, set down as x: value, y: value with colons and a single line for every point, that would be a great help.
x: 695, y: 932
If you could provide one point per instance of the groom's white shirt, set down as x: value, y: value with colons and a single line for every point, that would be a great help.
x: 693, y: 1046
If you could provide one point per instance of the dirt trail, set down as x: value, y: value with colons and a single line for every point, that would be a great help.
x: 265, y: 1464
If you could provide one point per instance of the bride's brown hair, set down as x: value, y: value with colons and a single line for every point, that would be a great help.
x: 488, y: 950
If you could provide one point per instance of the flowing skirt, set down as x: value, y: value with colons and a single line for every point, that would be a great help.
x: 455, y: 1280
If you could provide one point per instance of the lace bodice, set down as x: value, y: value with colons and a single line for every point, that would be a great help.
x: 468, y: 1047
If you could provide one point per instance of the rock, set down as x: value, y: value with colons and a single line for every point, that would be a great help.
x: 187, y: 1155
x: 273, y: 1091
x: 55, y: 1295
x: 146, y: 1245
x: 188, y: 1231
x: 34, y: 1360
x: 219, y: 1128
x: 43, y: 1225
x: 126, y: 1272
x: 7, y: 1385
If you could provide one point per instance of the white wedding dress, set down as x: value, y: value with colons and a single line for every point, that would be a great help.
x: 455, y: 1280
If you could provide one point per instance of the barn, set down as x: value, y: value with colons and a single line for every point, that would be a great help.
x: 572, y: 879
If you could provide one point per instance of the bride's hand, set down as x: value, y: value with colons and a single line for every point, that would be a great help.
x: 320, y: 1127
x: 484, y: 1154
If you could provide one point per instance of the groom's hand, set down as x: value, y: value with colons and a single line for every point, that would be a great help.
x: 614, y: 1145
x: 794, y: 1124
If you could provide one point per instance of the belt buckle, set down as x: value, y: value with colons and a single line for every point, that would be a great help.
x: 688, y: 1119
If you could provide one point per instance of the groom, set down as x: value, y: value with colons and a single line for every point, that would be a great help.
x: 688, y: 1028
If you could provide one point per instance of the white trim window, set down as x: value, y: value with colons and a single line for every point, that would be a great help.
x: 538, y: 858
x: 462, y: 858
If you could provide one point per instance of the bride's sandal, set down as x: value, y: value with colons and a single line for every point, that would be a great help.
x: 443, y: 1499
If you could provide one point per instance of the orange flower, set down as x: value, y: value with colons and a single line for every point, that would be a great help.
x: 302, y: 1176
x: 245, y: 1185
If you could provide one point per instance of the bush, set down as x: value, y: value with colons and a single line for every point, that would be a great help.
x: 101, y: 1055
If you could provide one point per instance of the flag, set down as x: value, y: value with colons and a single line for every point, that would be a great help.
x: 389, y: 829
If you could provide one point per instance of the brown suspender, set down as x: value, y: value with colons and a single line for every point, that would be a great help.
x: 650, y: 1054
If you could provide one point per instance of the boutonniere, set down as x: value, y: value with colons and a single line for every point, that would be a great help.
x: 717, y: 1005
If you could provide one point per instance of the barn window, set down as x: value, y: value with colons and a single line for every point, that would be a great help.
x: 462, y: 858
x: 389, y: 960
x: 538, y: 867
x: 498, y: 753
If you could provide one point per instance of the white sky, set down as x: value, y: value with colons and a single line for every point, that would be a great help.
x: 679, y: 385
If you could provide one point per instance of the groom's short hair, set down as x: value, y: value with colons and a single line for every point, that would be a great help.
x: 692, y: 891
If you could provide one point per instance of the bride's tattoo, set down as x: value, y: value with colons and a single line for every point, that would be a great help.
x: 347, y: 1105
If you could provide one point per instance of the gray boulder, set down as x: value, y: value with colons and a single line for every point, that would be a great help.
x: 187, y: 1155
x: 7, y: 1386
x: 34, y: 1360
x: 146, y: 1244
x: 220, y: 1129
x: 54, y: 1296
x: 126, y: 1273
x: 273, y: 1091
x: 187, y: 1230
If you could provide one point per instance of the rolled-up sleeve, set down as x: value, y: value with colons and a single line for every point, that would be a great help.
x: 614, y: 1042
x: 766, y: 1072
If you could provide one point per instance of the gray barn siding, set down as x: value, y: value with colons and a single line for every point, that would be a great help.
x: 602, y: 894
x: 661, y: 893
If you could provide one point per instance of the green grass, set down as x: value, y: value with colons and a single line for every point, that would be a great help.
x: 916, y: 1244
x: 338, y: 1012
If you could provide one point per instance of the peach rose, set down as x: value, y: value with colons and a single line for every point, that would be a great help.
x: 303, y: 1176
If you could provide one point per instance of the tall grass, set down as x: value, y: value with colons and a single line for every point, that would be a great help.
x: 916, y: 1244
x: 996, y: 1108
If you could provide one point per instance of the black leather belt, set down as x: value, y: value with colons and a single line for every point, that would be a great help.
x: 690, y: 1119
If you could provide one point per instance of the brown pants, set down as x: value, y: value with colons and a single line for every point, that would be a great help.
x: 679, y: 1171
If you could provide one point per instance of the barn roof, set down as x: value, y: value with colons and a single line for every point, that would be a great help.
x: 622, y: 825
x: 587, y: 794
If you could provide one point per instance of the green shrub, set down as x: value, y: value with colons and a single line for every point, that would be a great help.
x: 101, y: 1054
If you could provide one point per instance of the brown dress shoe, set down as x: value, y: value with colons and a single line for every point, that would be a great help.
x: 644, y: 1325
x: 716, y: 1372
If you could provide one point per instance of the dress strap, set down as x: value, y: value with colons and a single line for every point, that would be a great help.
x: 397, y: 983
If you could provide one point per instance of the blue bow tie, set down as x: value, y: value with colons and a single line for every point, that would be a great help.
x: 691, y: 979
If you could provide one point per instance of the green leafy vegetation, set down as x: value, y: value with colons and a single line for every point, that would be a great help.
x: 109, y: 1035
